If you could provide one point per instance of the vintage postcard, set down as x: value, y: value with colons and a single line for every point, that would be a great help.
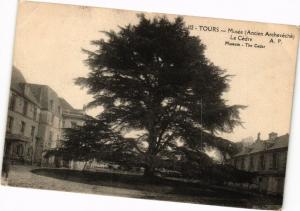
x: 148, y: 105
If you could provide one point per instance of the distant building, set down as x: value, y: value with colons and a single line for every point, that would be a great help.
x: 267, y: 158
x: 36, y: 119
x: 246, y: 142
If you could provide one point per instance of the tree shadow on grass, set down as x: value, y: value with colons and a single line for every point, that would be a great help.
x: 205, y: 193
x: 119, y: 180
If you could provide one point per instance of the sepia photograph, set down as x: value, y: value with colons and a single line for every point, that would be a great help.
x: 149, y: 105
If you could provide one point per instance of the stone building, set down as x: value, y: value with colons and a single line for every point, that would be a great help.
x: 22, y: 120
x: 267, y: 159
x: 36, y: 119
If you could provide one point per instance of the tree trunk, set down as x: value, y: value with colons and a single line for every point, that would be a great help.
x: 150, y: 154
x: 149, y: 167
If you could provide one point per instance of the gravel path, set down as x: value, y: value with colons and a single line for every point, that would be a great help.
x: 21, y: 176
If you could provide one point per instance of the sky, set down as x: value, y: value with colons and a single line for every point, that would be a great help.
x: 49, y: 39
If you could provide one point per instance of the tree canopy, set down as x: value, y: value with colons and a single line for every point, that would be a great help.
x: 154, y: 77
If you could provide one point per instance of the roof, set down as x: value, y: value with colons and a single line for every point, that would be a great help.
x: 36, y: 90
x: 42, y: 93
x: 19, y: 85
x: 69, y: 110
x: 266, y: 145
x: 39, y: 94
x: 65, y: 105
x: 280, y: 142
x: 17, y: 76
x: 17, y: 79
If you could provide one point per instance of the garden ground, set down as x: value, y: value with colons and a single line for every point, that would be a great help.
x: 136, y: 186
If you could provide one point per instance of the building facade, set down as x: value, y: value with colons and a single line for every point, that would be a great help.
x: 22, y: 121
x: 267, y: 159
x: 36, y: 120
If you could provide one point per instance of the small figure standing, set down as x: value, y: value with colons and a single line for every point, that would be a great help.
x: 5, y: 167
x: 6, y: 163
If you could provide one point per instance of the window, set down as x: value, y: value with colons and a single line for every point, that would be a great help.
x: 10, y: 123
x: 243, y: 164
x: 251, y: 163
x: 29, y: 152
x: 52, y: 118
x: 23, y: 125
x: 25, y: 107
x: 34, y: 113
x: 59, y: 110
x: 20, y: 150
x: 51, y: 105
x: 12, y: 103
x: 262, y: 162
x: 32, y: 131
x: 275, y: 160
x: 50, y: 138
x: 235, y: 163
x: 284, y: 157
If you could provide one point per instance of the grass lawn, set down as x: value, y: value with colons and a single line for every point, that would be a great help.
x: 165, y: 189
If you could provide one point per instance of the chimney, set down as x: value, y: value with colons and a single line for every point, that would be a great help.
x: 258, y: 137
x: 272, y: 136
